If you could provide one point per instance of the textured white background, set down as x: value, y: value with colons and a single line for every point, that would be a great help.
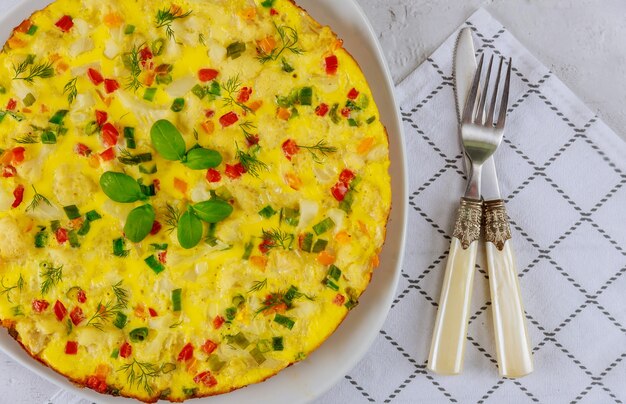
x: 582, y: 41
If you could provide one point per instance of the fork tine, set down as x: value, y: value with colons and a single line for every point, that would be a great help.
x: 504, y: 104
x: 480, y: 112
x: 494, y: 98
x: 468, y: 112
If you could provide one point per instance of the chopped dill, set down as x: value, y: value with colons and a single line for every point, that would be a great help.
x: 258, y: 285
x: 42, y: 70
x: 289, y: 40
x: 278, y: 238
x: 51, y: 276
x: 320, y: 147
x: 70, y: 89
x: 141, y: 373
x: 250, y: 162
x: 232, y: 87
x: 37, y: 200
x: 172, y: 217
x: 165, y: 18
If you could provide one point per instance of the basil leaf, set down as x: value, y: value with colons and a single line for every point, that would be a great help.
x: 189, y: 230
x: 139, y: 223
x: 167, y: 140
x: 212, y: 211
x: 201, y: 159
x: 120, y: 187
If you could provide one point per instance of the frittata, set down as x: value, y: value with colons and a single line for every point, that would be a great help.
x: 193, y: 194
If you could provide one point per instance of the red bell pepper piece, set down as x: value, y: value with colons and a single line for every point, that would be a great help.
x: 71, y: 348
x: 186, y: 353
x: 110, y: 85
x: 228, y: 119
x: 218, y: 321
x: 205, y: 378
x: 290, y: 148
x: 212, y: 175
x: 126, y: 350
x: 59, y: 310
x: 40, y: 305
x: 65, y: 23
x: 61, y: 235
x: 321, y: 110
x: 332, y: 63
x: 95, y: 76
x: 108, y: 154
x: 101, y: 117
x: 77, y: 316
x: 18, y: 194
x: 109, y: 134
x: 235, y: 171
x: 207, y: 74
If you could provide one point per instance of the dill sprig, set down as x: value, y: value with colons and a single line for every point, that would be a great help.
x: 42, y: 70
x: 258, y: 285
x: 165, y: 18
x: 37, y: 200
x: 320, y: 147
x: 250, y: 162
x: 133, y: 63
x: 171, y: 217
x: 278, y: 238
x: 232, y: 87
x: 141, y: 373
x: 17, y: 310
x: 51, y: 276
x: 289, y: 40
x: 70, y: 89
x: 28, y: 138
x: 6, y: 290
x: 282, y: 298
x: 105, y: 312
x: 174, y: 325
x: 121, y: 295
x: 247, y: 128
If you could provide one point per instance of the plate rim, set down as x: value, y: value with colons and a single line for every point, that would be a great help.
x: 398, y: 214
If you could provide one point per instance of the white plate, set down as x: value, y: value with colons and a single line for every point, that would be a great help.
x: 322, y: 369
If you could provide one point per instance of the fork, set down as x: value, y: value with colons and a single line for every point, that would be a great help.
x: 480, y: 136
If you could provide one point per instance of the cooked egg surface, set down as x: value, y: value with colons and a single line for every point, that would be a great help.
x: 193, y: 194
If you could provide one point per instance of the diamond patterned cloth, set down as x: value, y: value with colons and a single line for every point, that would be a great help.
x: 562, y: 173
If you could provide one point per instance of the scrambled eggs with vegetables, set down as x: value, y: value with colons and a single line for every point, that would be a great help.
x: 193, y: 194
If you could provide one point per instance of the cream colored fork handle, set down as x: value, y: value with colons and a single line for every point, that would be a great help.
x: 513, y: 350
x: 448, y: 342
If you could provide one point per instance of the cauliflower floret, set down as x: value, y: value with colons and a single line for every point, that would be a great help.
x: 71, y: 186
x: 12, y: 239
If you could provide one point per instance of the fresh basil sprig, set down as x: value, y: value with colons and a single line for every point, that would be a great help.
x: 201, y: 159
x: 189, y: 229
x: 167, y: 140
x: 139, y: 223
x: 121, y: 187
x: 212, y: 211
x: 169, y: 143
x: 124, y: 189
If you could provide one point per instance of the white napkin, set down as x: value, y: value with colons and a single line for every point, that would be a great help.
x: 562, y: 173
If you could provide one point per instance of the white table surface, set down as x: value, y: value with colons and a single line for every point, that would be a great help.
x: 582, y: 41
